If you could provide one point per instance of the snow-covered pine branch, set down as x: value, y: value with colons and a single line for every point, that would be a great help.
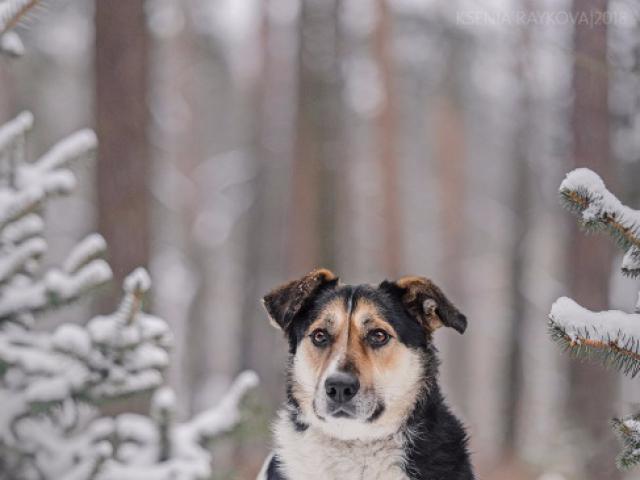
x: 11, y: 12
x: 25, y: 186
x: 156, y: 448
x: 585, y: 193
x: 609, y: 337
x: 628, y: 431
x: 52, y: 383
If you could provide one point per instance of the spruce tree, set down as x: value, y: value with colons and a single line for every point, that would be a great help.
x: 54, y: 383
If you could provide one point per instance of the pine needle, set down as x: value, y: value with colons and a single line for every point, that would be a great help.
x: 622, y: 353
x: 627, y: 431
x: 578, y: 201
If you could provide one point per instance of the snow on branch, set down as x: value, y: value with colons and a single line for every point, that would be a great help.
x: 25, y: 186
x: 12, y: 11
x: 11, y: 45
x: 585, y: 192
x: 224, y: 416
x: 157, y: 449
x: 20, y: 256
x: 28, y: 226
x: 631, y: 262
x: 52, y: 382
x: 611, y: 337
x: 628, y: 431
x: 56, y: 288
x: 15, y: 129
x: 28, y: 184
x: 105, y: 360
x: 49, y: 172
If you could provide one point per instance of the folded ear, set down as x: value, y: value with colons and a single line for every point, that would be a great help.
x: 426, y: 303
x: 284, y: 302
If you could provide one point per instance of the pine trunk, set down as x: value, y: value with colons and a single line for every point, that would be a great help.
x: 386, y: 136
x: 593, y: 390
x: 319, y: 146
x: 123, y: 169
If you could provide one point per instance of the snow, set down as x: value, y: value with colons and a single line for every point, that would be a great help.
x: 11, y: 44
x: 16, y: 204
x: 188, y: 457
x: 611, y: 326
x: 72, y: 339
x: 20, y: 255
x: 51, y: 383
x: 632, y: 424
x: 28, y: 226
x: 138, y: 280
x: 225, y: 415
x: 11, y: 131
x: 631, y: 261
x: 89, y: 248
x: 163, y: 400
x: 64, y: 287
x: 71, y: 148
x: 10, y: 11
x: 48, y: 172
x: 602, y: 204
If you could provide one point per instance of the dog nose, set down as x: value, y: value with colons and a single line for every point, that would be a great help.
x: 342, y: 387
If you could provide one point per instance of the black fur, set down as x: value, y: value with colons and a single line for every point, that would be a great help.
x: 273, y: 470
x: 438, y: 447
x: 439, y: 450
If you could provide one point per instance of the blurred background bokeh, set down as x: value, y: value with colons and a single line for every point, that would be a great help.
x: 245, y: 142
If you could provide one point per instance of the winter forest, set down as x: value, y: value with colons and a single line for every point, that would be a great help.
x: 164, y: 164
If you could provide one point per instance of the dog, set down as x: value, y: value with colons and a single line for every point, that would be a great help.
x: 363, y: 400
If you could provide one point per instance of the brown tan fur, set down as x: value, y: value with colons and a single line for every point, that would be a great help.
x: 391, y: 372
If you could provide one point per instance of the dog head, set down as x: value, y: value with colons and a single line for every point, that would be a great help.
x: 360, y: 356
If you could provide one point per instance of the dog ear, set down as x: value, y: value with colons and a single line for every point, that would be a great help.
x: 284, y: 302
x: 425, y: 301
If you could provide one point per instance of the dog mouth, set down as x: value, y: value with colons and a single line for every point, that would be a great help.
x: 343, y: 411
x: 350, y: 412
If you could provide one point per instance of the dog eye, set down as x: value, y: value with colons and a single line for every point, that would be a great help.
x: 378, y: 338
x: 320, y: 337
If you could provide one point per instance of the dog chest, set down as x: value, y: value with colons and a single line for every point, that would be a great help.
x: 311, y: 455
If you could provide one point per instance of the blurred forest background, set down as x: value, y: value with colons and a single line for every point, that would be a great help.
x: 245, y: 142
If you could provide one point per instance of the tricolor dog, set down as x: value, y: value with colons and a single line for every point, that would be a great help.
x: 363, y: 400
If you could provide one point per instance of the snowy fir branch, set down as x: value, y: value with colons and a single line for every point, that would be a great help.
x: 25, y: 186
x: 628, y: 431
x: 11, y: 13
x: 631, y: 262
x: 156, y: 448
x: 584, y: 192
x: 52, y: 384
x: 611, y: 337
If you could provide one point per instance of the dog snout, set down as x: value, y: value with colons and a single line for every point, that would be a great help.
x: 341, y: 387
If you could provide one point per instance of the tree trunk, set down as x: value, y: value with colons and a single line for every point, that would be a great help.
x: 263, y: 349
x: 522, y: 206
x: 452, y: 186
x: 386, y: 136
x: 123, y: 169
x: 318, y: 152
x: 593, y: 390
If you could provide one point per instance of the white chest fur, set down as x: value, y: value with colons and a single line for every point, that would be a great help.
x: 311, y: 455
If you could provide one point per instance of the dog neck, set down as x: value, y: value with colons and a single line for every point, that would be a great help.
x: 304, y: 451
x: 430, y: 440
